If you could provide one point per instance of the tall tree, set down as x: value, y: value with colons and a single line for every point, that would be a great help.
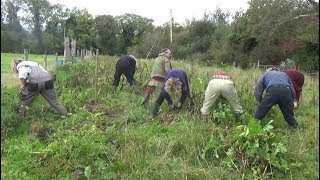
x: 37, y: 13
x: 11, y: 30
x: 79, y: 26
x: 54, y: 29
x: 106, y: 28
x: 132, y: 27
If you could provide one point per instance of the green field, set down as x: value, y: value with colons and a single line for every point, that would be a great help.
x: 113, y: 137
x: 8, y: 78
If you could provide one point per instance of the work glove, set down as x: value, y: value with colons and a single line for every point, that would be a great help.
x: 192, y: 109
x: 171, y: 106
x: 179, y: 105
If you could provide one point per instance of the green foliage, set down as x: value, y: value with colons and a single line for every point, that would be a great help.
x: 112, y: 137
x: 132, y: 27
x: 250, y: 147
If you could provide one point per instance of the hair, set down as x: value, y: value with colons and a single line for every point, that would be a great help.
x: 273, y: 68
x: 173, y: 85
x: 14, y: 64
x: 164, y: 50
x: 132, y: 57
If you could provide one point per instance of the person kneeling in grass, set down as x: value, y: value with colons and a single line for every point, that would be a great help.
x: 221, y: 84
x: 35, y: 80
x: 176, y: 81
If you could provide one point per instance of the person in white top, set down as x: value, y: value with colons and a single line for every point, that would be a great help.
x: 35, y: 80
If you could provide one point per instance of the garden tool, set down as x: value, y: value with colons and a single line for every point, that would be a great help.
x: 123, y: 83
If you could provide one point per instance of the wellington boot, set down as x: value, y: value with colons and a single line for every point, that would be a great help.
x: 145, y: 98
x: 155, y: 109
x: 238, y: 120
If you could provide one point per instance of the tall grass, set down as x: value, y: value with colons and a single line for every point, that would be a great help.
x: 116, y: 139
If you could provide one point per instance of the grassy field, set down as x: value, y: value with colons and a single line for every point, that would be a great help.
x: 113, y: 137
x: 7, y: 77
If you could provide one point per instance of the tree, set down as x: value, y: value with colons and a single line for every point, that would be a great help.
x: 106, y: 29
x: 11, y: 30
x: 38, y: 11
x: 79, y: 26
x: 132, y: 27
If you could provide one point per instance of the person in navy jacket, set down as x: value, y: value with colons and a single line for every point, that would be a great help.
x: 176, y: 81
x: 279, y: 90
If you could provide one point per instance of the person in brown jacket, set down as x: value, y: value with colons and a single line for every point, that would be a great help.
x: 162, y: 65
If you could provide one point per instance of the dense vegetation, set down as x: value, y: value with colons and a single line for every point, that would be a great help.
x: 112, y: 137
x: 268, y: 31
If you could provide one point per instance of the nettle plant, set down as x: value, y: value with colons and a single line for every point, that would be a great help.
x: 249, y: 148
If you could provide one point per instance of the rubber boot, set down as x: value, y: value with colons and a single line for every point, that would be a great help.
x: 237, y: 117
x: 145, y: 98
x: 155, y: 109
x: 114, y: 89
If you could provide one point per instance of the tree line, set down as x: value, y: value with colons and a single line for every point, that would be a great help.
x: 269, y: 31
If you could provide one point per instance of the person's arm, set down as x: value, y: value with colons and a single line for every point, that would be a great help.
x: 167, y: 65
x: 183, y: 98
x: 293, y: 92
x: 185, y: 90
x: 23, y: 73
x: 168, y: 99
x: 133, y: 66
x: 259, y: 89
x: 22, y: 84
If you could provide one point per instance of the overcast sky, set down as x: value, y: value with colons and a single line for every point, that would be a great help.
x: 159, y: 10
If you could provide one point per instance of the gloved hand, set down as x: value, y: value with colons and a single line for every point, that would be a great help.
x: 191, y: 109
x: 179, y: 105
x: 171, y: 106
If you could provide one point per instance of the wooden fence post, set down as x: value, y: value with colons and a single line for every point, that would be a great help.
x: 56, y: 54
x: 66, y: 50
x: 258, y: 64
x: 25, y: 51
x: 73, y: 50
x: 96, y: 78
x: 45, y: 61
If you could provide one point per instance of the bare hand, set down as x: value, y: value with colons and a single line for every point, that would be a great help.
x: 22, y: 87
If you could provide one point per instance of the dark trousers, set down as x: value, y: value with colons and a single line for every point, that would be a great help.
x: 282, y: 96
x: 163, y: 95
x: 127, y: 72
x: 47, y: 91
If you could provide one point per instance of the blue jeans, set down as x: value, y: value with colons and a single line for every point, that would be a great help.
x: 281, y: 95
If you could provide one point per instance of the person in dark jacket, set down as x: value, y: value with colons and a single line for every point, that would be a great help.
x: 279, y: 90
x: 35, y: 80
x: 176, y: 81
x: 125, y: 65
x: 297, y: 79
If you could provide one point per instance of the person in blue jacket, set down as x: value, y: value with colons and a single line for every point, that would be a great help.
x: 176, y: 81
x: 279, y: 90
